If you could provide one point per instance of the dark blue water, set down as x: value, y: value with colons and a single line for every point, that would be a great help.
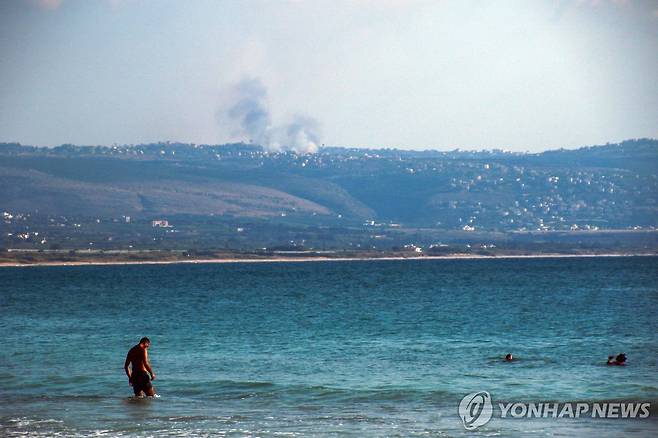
x: 328, y: 348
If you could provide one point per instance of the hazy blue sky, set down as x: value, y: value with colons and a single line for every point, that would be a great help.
x: 520, y: 75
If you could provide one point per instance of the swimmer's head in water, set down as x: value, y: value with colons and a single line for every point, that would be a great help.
x: 509, y: 357
x: 145, y: 342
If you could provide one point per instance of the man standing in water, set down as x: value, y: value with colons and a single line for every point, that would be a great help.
x: 141, y: 375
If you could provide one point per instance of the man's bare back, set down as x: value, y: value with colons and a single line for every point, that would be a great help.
x: 140, y: 374
x: 136, y: 358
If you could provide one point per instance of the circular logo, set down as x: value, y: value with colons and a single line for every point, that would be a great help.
x: 475, y: 410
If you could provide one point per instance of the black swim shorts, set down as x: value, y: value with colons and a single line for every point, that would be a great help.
x: 141, y: 381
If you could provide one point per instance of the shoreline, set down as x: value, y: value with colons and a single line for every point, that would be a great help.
x: 315, y: 259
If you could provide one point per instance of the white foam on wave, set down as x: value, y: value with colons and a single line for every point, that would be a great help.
x: 24, y: 421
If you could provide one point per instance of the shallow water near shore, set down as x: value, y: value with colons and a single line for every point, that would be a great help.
x: 360, y: 348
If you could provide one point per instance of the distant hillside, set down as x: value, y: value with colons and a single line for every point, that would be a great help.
x: 609, y: 186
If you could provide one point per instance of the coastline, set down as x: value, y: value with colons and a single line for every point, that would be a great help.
x: 225, y: 260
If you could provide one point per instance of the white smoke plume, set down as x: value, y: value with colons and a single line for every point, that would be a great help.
x: 250, y: 117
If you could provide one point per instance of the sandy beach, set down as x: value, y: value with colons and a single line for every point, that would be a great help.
x: 315, y: 259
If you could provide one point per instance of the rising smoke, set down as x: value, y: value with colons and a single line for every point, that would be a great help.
x: 250, y: 117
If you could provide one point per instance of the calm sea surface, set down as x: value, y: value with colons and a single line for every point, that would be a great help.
x: 373, y: 348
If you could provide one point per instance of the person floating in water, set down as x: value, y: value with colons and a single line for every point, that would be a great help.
x: 509, y: 357
x: 619, y: 360
x: 141, y: 374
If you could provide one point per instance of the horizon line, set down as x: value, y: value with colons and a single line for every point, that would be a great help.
x: 324, y: 146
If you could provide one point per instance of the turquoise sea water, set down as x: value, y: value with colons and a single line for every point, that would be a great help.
x: 372, y: 348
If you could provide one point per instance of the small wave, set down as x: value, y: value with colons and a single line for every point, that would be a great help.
x: 355, y: 418
x: 55, y: 398
x: 24, y: 421
x: 198, y: 418
x: 226, y: 390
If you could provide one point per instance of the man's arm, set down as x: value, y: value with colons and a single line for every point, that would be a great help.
x: 147, y: 365
x: 125, y: 366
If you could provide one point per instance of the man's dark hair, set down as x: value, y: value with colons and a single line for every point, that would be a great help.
x: 145, y: 340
